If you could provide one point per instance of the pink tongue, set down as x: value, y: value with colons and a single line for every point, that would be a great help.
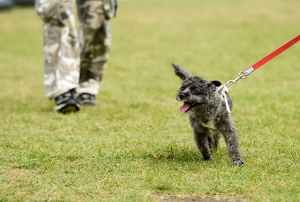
x: 185, y: 107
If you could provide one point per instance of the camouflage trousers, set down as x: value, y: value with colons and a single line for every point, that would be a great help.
x: 75, y: 59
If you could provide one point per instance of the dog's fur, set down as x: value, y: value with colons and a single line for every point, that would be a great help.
x: 208, y: 114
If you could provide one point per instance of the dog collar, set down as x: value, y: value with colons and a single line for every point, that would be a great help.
x: 224, y: 92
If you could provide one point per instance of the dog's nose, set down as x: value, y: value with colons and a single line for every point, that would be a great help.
x: 181, y: 96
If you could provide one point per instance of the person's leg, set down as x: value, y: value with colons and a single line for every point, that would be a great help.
x: 95, y: 42
x: 61, y: 53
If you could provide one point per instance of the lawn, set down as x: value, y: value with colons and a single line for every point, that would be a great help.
x: 135, y: 145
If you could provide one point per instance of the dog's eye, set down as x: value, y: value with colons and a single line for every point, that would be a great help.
x: 182, y: 88
x: 194, y: 90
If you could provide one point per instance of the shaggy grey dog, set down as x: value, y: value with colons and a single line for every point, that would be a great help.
x: 208, y: 116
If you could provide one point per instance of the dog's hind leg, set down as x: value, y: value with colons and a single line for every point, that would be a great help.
x: 202, y: 142
x: 211, y: 142
x: 217, y: 138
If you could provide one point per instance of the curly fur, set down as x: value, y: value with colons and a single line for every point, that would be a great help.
x: 208, y: 115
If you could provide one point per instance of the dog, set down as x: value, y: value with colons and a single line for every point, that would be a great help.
x: 208, y: 115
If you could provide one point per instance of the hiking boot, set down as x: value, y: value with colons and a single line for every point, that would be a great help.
x: 67, y: 103
x: 87, y: 99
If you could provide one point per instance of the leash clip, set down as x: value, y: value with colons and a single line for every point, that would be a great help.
x: 224, y: 92
x: 242, y: 75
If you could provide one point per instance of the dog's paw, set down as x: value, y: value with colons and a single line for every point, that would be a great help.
x: 207, y: 158
x: 238, y: 162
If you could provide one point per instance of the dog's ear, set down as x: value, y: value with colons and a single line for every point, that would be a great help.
x: 180, y: 72
x: 215, y: 83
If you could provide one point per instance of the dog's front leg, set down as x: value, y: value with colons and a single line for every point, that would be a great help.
x: 233, y: 146
x: 201, y: 140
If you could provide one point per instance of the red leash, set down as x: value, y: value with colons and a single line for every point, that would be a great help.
x: 243, y: 74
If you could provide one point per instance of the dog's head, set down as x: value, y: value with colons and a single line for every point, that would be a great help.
x: 194, y: 90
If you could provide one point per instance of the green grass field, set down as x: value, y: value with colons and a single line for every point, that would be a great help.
x: 135, y: 145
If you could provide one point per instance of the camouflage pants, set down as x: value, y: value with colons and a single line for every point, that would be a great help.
x: 71, y: 60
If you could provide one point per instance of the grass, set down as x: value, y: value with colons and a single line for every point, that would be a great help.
x: 135, y: 144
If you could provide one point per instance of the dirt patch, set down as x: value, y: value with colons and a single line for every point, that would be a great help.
x: 189, y: 198
x: 19, y: 174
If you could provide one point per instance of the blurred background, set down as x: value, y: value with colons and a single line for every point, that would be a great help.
x: 8, y: 4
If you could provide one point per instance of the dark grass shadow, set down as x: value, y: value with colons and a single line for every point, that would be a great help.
x: 173, y: 153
